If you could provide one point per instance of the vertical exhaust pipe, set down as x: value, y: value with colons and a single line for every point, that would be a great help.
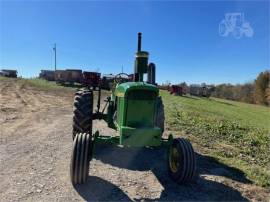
x: 141, y: 61
x: 139, y: 41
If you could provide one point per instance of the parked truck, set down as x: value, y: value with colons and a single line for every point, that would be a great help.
x: 199, y: 90
x: 8, y: 73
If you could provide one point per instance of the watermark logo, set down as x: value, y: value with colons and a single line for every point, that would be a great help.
x: 234, y: 24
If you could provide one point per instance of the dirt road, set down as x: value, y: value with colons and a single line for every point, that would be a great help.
x: 35, y: 148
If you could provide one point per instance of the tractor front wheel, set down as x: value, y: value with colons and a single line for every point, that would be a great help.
x: 181, y: 161
x: 81, y: 155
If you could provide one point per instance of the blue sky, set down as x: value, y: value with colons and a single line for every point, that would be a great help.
x: 182, y: 38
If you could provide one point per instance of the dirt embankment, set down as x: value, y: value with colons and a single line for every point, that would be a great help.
x: 35, y: 146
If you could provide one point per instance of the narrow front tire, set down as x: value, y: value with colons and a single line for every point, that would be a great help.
x: 81, y: 155
x: 181, y: 161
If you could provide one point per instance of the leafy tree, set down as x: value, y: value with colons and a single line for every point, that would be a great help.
x: 262, y: 88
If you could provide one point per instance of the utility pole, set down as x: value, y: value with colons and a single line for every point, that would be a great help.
x: 54, y: 48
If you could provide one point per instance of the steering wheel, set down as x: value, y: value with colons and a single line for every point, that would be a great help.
x: 118, y: 77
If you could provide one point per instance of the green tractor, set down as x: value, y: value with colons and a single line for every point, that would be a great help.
x: 136, y: 111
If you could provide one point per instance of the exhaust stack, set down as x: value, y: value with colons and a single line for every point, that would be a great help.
x: 141, y: 61
x: 139, y: 41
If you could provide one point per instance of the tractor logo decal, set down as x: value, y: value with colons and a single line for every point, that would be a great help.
x: 234, y: 24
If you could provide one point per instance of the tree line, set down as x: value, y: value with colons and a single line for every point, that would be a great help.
x: 255, y: 92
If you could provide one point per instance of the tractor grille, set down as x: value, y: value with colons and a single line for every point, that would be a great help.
x: 140, y: 108
x: 142, y: 95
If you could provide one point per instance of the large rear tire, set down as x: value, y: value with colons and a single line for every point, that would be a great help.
x: 82, y: 112
x: 81, y: 155
x: 160, y: 116
x: 181, y: 161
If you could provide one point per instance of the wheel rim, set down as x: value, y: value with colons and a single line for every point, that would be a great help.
x: 174, y: 159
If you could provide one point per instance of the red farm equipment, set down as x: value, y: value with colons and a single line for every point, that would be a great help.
x: 91, y: 79
x: 176, y: 90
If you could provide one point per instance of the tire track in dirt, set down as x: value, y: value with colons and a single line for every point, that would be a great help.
x: 24, y: 140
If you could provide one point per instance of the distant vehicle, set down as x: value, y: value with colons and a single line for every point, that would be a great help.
x: 60, y: 76
x: 47, y: 75
x: 74, y: 75
x: 8, y: 73
x: 199, y: 90
x: 176, y: 90
x: 68, y: 76
x: 91, y: 79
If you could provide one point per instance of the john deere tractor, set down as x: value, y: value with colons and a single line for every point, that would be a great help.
x: 136, y: 111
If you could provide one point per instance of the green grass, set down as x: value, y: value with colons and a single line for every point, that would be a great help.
x: 43, y: 84
x: 234, y: 133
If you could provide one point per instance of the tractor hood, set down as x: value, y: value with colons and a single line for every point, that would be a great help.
x: 123, y: 88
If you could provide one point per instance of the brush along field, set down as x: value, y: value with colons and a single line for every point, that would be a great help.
x: 230, y: 138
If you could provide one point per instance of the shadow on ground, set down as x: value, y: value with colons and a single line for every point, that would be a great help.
x: 97, y: 189
x: 143, y: 159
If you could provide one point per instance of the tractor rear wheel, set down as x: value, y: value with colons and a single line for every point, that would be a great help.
x: 81, y: 155
x: 82, y: 112
x: 160, y: 117
x: 181, y: 161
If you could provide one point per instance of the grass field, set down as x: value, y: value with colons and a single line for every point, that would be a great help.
x: 234, y: 133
